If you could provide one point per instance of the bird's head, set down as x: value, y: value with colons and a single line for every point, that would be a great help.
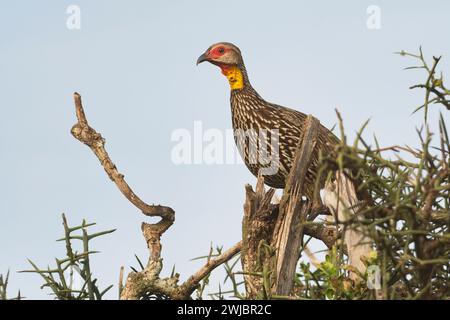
x: 228, y: 57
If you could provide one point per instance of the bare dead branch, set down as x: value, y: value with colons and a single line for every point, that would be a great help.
x: 87, y: 135
x: 272, y: 234
x: 328, y: 235
x: 147, y: 283
x: 257, y: 228
x: 288, y: 233
x: 191, y: 284
x: 152, y: 232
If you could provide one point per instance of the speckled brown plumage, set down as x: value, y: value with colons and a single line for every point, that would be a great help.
x: 251, y: 112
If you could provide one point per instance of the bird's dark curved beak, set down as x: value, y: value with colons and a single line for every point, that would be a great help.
x: 202, y: 58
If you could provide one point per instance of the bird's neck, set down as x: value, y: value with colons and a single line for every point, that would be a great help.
x: 245, y: 101
x: 236, y: 75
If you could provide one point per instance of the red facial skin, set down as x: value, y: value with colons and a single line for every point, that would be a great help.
x: 215, y: 53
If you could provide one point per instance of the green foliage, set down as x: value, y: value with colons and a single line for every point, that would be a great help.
x: 406, y: 208
x: 330, y: 280
x: 75, y: 267
x: 4, y: 280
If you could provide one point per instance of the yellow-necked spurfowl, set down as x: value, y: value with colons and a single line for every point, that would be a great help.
x: 251, y: 112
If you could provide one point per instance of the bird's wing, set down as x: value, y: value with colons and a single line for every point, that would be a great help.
x: 297, y: 118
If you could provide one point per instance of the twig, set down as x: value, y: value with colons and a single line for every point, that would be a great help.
x: 191, y: 284
x: 312, y: 257
x: 121, y: 281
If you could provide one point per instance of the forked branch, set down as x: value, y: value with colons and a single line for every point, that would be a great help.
x: 152, y: 232
x: 147, y: 283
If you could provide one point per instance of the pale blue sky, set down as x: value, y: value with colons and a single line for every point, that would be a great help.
x: 134, y: 64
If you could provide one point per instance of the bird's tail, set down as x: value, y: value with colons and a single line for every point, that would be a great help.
x: 341, y: 199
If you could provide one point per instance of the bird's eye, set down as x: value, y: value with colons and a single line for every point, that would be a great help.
x: 221, y: 50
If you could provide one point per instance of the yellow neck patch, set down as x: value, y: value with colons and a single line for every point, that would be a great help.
x: 234, y: 76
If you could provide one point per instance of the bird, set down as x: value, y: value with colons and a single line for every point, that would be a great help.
x: 250, y: 112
